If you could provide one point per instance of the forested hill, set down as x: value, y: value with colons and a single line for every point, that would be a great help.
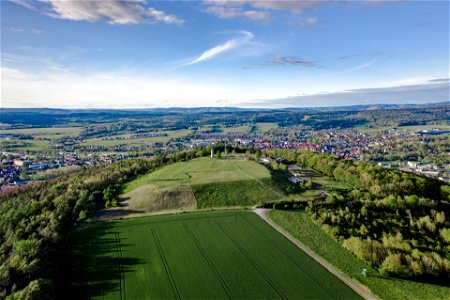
x: 396, y: 221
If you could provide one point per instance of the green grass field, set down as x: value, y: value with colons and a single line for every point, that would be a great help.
x: 300, y: 225
x: 197, y: 255
x: 322, y: 182
x: 265, y: 126
x: 47, y: 133
x: 200, y: 171
x: 23, y: 145
x: 239, y: 129
x: 212, y: 182
x: 171, y: 134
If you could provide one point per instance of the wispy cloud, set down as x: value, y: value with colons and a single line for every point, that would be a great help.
x: 358, y: 68
x: 420, y: 93
x: 441, y: 80
x: 229, y: 45
x: 290, y: 60
x: 24, y: 3
x: 31, y: 30
x: 306, y: 22
x: 373, y: 54
x: 112, y: 11
x: 225, y: 12
x: 261, y: 10
x: 160, y: 16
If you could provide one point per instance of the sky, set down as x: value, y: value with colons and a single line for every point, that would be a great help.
x: 269, y: 54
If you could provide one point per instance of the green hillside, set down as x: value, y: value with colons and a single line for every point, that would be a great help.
x: 212, y: 182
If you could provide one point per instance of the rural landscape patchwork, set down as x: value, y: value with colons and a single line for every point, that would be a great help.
x: 217, y: 149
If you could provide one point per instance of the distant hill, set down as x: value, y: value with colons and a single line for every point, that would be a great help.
x: 199, y: 110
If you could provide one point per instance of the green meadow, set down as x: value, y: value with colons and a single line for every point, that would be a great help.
x: 126, y: 139
x: 202, y: 183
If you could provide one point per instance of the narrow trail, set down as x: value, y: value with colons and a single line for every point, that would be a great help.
x: 262, y: 212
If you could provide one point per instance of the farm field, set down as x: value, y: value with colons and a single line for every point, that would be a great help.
x: 237, y: 129
x: 47, y: 132
x: 265, y: 126
x: 23, y: 145
x: 173, y: 134
x: 195, y: 255
x: 204, y: 183
x: 300, y: 225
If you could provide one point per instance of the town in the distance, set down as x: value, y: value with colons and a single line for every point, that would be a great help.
x: 57, y: 142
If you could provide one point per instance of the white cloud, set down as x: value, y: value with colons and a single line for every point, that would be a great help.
x: 12, y: 73
x: 257, y: 10
x: 225, y: 12
x: 113, y: 11
x: 65, y: 89
x: 256, y: 15
x: 261, y: 10
x: 293, y: 6
x: 160, y: 16
x: 410, y: 81
x: 225, y: 47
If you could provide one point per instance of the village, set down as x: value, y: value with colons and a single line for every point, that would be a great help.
x: 19, y: 168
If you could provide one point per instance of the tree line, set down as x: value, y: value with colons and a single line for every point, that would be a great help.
x: 396, y: 221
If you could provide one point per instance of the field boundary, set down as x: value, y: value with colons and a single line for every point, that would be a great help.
x: 262, y: 212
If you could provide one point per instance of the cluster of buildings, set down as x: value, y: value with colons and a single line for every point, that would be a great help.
x: 427, y: 169
x: 18, y: 169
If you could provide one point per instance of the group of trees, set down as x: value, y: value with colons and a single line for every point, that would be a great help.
x: 396, y: 221
x: 36, y: 218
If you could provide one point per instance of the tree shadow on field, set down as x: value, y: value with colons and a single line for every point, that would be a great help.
x: 93, y: 264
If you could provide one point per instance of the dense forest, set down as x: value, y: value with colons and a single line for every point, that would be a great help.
x: 36, y: 219
x: 396, y: 221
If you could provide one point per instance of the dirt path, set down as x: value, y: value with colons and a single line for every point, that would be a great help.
x: 262, y: 212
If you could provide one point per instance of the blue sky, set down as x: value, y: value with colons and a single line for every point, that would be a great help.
x: 136, y: 54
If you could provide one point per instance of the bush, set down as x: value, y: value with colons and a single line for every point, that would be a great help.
x: 392, y: 265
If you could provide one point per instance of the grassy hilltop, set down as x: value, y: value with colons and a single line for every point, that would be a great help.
x: 202, y: 183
